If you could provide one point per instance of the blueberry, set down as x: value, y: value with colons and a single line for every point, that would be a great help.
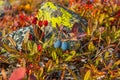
x: 57, y: 44
x: 64, y: 46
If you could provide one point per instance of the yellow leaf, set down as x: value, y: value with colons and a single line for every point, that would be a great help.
x: 87, y: 66
x: 117, y: 63
x: 1, y: 2
x: 11, y: 41
x: 111, y: 18
x: 102, y: 16
x: 26, y: 36
x: 91, y: 46
x: 73, y: 53
x: 50, y: 63
x: 29, y: 46
x: 54, y: 55
x: 3, y: 32
x: 106, y: 55
x: 68, y: 58
x: 87, y: 75
x: 83, y: 12
x: 35, y: 48
x: 49, y: 42
x: 88, y: 31
x: 41, y: 71
x: 117, y: 34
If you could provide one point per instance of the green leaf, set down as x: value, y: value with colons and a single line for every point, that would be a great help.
x: 49, y: 42
x: 41, y: 71
x: 73, y: 53
x: 35, y: 48
x: 102, y: 16
x: 29, y: 45
x: 9, y: 49
x: 117, y: 34
x: 54, y: 55
x: 91, y: 46
x: 31, y: 53
x: 106, y: 54
x: 68, y: 58
x: 87, y: 75
x: 14, y: 56
x: 45, y: 44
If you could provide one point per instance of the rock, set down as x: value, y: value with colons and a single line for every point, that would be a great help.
x: 18, y: 36
x: 55, y: 14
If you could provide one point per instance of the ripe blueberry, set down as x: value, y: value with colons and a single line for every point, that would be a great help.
x: 64, y: 46
x: 57, y: 44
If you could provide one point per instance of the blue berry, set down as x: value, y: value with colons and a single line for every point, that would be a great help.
x: 64, y: 46
x: 57, y: 44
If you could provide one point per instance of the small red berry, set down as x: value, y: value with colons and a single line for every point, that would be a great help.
x: 39, y: 47
x: 27, y: 71
x: 45, y: 22
x: 90, y: 6
x: 34, y: 21
x: 31, y: 65
x: 22, y: 16
x: 40, y: 23
x: 30, y: 37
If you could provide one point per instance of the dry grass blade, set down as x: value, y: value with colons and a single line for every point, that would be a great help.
x: 4, y: 74
x: 9, y: 49
x: 3, y: 60
x: 3, y: 32
x: 63, y: 75
x: 72, y: 73
x: 26, y: 36
x: 11, y: 41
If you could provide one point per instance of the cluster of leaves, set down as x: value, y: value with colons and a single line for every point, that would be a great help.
x: 103, y: 38
x: 11, y: 22
x: 98, y: 55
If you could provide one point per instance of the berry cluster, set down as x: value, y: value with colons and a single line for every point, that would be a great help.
x: 40, y: 23
x: 63, y: 45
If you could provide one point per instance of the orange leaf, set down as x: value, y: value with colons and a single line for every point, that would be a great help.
x: 71, y: 2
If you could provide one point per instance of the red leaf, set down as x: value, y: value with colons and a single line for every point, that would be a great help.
x: 22, y: 16
x: 81, y: 35
x: 18, y: 74
x: 34, y: 21
x: 75, y: 28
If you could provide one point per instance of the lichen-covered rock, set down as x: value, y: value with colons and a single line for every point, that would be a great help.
x: 18, y: 36
x: 55, y: 14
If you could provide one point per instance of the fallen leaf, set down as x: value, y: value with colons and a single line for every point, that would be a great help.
x: 18, y: 74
